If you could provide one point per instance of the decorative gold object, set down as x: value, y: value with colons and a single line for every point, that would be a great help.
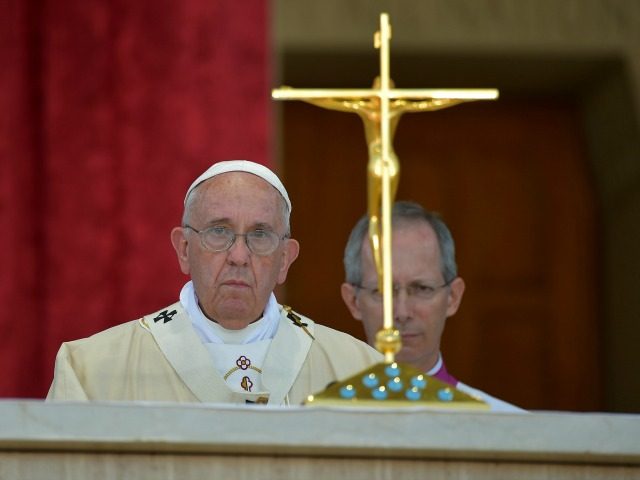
x: 395, y: 385
x: 380, y: 109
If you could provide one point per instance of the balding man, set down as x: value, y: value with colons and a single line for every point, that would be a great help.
x: 227, y: 339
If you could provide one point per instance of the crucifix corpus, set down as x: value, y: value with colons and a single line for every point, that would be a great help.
x: 380, y: 109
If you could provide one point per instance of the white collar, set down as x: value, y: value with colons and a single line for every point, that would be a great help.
x: 210, y: 332
x: 436, y: 368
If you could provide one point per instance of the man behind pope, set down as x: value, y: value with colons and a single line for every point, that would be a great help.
x: 227, y: 339
x: 427, y: 290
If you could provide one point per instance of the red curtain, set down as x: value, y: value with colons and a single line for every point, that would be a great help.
x: 108, y: 111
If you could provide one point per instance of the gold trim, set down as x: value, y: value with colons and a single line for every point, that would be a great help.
x: 236, y: 368
x: 297, y: 321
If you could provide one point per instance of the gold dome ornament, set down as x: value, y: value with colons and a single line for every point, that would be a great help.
x: 395, y: 385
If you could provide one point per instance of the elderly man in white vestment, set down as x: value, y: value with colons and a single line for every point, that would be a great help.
x: 427, y: 289
x: 227, y: 339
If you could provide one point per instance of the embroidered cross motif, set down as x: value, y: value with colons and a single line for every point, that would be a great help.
x: 246, y: 384
x: 165, y: 315
x: 297, y: 321
x: 243, y: 362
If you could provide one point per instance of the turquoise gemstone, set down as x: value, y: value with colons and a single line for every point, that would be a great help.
x: 395, y: 384
x: 370, y: 381
x: 413, y: 394
x: 392, y: 370
x: 379, y: 393
x: 445, y: 394
x: 419, y: 381
x: 348, y: 392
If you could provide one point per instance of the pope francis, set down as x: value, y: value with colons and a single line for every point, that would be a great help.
x: 226, y: 339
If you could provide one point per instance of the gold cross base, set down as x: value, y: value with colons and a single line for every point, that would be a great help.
x: 395, y: 385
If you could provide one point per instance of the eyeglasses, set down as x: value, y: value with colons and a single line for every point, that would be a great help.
x: 415, y: 290
x: 220, y: 239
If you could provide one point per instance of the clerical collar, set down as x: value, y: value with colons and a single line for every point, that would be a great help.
x: 210, y: 332
x: 238, y: 337
x: 436, y: 368
x: 440, y: 372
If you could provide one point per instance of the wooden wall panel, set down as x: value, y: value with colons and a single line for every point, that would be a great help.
x: 511, y: 181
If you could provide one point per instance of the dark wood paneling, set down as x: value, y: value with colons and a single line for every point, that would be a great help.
x: 511, y: 181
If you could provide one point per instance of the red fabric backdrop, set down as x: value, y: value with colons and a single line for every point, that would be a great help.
x: 108, y: 111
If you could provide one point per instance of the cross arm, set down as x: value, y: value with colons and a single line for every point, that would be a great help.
x: 287, y: 93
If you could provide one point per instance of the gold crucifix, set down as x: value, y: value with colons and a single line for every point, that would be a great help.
x: 380, y: 109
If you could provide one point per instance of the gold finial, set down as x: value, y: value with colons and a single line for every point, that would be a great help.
x: 389, y: 343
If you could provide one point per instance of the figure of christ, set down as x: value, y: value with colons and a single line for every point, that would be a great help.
x: 369, y: 110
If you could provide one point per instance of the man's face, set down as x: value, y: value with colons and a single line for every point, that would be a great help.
x: 421, y: 321
x: 233, y: 286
